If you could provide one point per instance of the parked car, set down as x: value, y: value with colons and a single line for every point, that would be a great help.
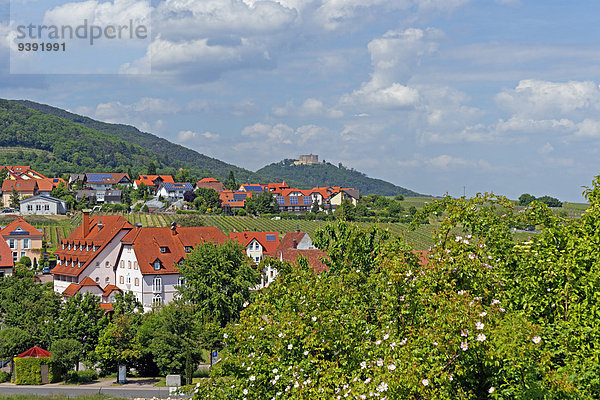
x: 46, y: 270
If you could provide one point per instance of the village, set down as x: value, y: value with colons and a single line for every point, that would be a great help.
x: 107, y: 254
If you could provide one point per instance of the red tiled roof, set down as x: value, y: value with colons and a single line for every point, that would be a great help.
x: 313, y: 256
x: 21, y: 185
x: 109, y: 289
x: 106, y: 306
x: 210, y: 183
x: 45, y: 185
x: 6, y: 258
x: 286, y: 192
x: 287, y: 242
x: 20, y: 222
x: 227, y: 199
x: 147, y: 243
x: 261, y: 237
x: 71, y: 290
x: 35, y: 352
x: 149, y: 180
x: 87, y: 281
x: 57, y: 181
x: 112, y: 225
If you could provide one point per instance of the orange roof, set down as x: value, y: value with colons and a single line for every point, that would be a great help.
x: 82, y: 245
x: 45, y: 185
x: 286, y: 192
x: 106, y: 306
x: 109, y: 289
x: 313, y: 256
x: 21, y: 185
x: 149, y: 180
x: 227, y: 198
x: 57, y: 181
x: 208, y: 180
x: 147, y: 243
x: 17, y: 223
x: 287, y: 242
x: 87, y: 281
x: 71, y: 290
x: 261, y: 237
x: 6, y: 258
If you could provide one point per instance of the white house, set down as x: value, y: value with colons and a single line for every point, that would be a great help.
x: 173, y: 191
x: 148, y: 262
x: 42, y: 205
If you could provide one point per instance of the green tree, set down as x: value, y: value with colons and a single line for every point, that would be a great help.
x: 209, y: 198
x: 126, y: 304
x: 66, y: 353
x: 61, y: 191
x: 176, y: 344
x: 14, y: 198
x: 151, y: 168
x: 345, y: 211
x: 263, y: 203
x: 315, y: 207
x: 118, y: 343
x: 231, y: 184
x: 13, y: 341
x: 525, y: 199
x: 550, y: 201
x: 82, y: 319
x: 184, y: 176
x: 219, y: 279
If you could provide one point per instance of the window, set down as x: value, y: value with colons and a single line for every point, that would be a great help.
x: 29, y: 207
x: 257, y: 259
x: 157, y: 300
x: 97, y: 279
x: 156, y: 265
x: 26, y: 244
x: 128, y: 280
x: 15, y: 256
x: 22, y: 254
x: 135, y: 265
x: 12, y: 243
x: 181, y: 281
x: 188, y: 249
x: 47, y: 207
x: 137, y: 281
x: 157, y: 284
x: 97, y: 263
x: 107, y: 264
x: 38, y: 207
x: 106, y: 279
x: 129, y: 264
x: 163, y: 249
x: 122, y: 264
x: 121, y: 279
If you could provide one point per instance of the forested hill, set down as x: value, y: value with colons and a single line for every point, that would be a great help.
x: 167, y: 154
x: 326, y: 174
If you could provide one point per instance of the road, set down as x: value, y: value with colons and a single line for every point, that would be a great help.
x: 134, y: 389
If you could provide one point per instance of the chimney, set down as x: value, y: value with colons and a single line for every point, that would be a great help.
x: 174, y: 228
x: 86, y: 222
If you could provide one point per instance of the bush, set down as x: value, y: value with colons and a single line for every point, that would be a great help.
x: 81, y: 376
x: 27, y: 370
x: 4, y: 377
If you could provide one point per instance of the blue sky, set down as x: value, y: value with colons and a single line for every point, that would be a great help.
x: 434, y: 95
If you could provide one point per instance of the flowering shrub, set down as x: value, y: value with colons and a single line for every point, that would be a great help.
x: 477, y: 316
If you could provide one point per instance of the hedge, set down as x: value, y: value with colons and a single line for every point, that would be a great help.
x: 28, y: 370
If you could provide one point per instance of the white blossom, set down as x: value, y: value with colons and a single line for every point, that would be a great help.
x: 479, y: 325
x: 425, y: 382
x: 536, y: 339
x: 481, y: 337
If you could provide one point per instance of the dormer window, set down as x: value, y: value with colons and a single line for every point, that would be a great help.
x: 156, y: 265
x: 188, y: 249
x: 164, y: 250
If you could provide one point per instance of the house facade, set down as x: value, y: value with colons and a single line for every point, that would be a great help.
x: 42, y: 205
x: 210, y: 183
x: 6, y: 260
x: 25, y: 188
x: 257, y: 244
x: 174, y: 191
x: 23, y: 239
x: 90, y: 251
x: 148, y: 264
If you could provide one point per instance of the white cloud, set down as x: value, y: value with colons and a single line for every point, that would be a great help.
x: 100, y: 13
x: 188, y: 136
x: 544, y: 99
x: 310, y: 108
x: 546, y: 148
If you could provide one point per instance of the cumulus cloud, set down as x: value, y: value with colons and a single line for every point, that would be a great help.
x: 188, y: 136
x: 544, y: 99
x: 100, y: 13
x: 310, y: 108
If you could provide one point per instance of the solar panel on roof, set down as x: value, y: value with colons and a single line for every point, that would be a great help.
x: 307, y: 200
x: 280, y: 200
x: 239, y: 196
x: 271, y: 238
x: 293, y: 200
